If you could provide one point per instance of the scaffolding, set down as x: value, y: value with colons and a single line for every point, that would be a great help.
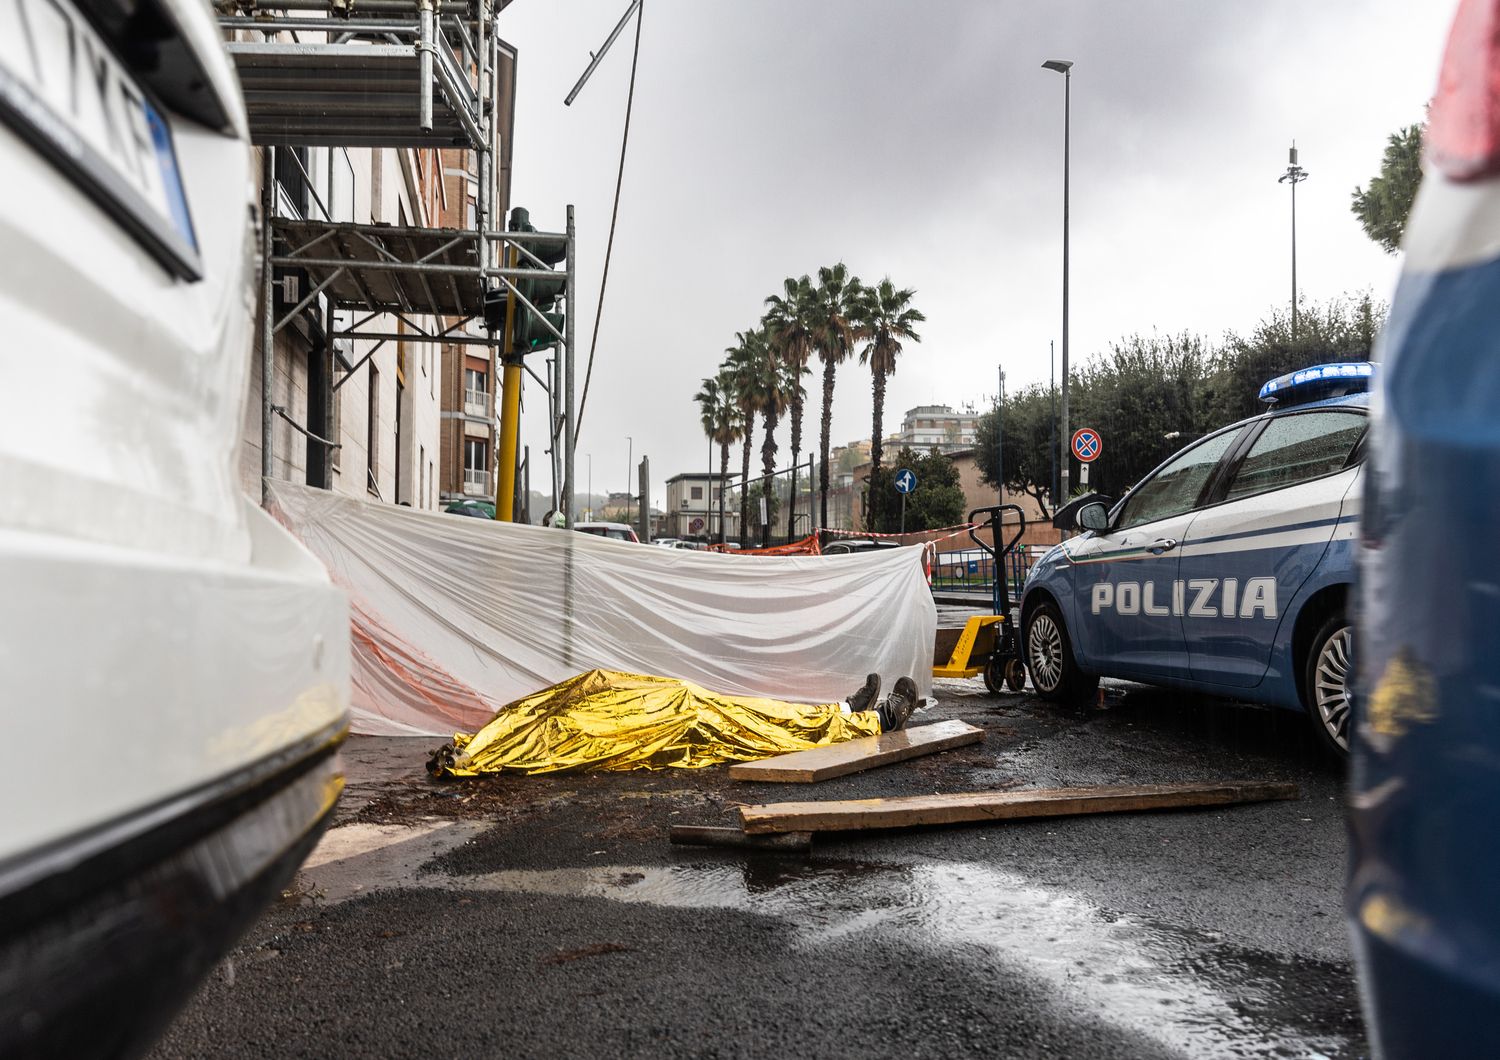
x: 388, y: 74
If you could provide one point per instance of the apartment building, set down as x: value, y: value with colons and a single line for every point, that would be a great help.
x: 929, y: 426
x: 360, y: 180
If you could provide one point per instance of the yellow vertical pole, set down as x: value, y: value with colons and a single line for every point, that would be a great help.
x: 510, y: 412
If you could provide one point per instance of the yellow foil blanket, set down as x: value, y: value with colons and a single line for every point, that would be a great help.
x: 604, y: 719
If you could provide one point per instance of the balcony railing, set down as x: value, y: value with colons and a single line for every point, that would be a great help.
x: 477, y: 402
x: 476, y: 483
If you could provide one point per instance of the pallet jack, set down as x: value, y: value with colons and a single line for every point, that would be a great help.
x: 989, y: 644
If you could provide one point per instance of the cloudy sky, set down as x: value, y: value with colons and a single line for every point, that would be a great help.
x: 923, y: 141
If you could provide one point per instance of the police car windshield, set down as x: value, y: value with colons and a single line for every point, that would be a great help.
x: 1175, y: 488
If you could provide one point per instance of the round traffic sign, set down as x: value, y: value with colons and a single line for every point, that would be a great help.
x: 906, y: 480
x: 1087, y: 445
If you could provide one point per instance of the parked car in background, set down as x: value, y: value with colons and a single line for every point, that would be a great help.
x: 473, y: 509
x: 1425, y: 783
x: 852, y: 545
x: 613, y: 531
x: 174, y: 666
x: 1226, y: 570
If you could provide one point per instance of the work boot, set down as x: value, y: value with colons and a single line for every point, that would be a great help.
x: 897, y: 707
x: 866, y: 695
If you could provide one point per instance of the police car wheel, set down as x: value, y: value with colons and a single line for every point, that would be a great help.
x: 1330, y: 668
x: 1049, y: 659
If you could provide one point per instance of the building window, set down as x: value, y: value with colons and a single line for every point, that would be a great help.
x: 476, y: 467
x: 697, y: 493
x: 476, y: 393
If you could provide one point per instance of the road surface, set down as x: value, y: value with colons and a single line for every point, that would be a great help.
x: 548, y: 916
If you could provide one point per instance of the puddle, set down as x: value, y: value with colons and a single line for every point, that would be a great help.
x: 355, y: 859
x: 1187, y: 991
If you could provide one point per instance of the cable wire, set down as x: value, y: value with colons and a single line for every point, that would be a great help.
x: 613, y: 217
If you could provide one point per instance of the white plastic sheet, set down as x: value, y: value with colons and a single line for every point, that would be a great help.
x: 455, y: 617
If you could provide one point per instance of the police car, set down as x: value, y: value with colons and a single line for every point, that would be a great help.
x: 1226, y: 570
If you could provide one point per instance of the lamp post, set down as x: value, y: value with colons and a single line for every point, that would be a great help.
x: 1064, y: 67
x: 591, y: 486
x: 1000, y: 442
x: 1294, y: 175
x: 629, y: 470
x: 1052, y: 360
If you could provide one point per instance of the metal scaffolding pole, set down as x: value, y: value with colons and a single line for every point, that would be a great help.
x: 569, y: 441
x: 267, y: 337
x: 327, y: 395
x: 425, y: 53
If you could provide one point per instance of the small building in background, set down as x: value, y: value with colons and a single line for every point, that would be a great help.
x: 692, y: 508
x: 928, y: 426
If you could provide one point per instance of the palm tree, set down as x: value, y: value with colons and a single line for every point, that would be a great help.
x: 833, y: 305
x: 884, y: 320
x: 743, y: 369
x: 776, y: 382
x: 788, y: 323
x: 723, y: 424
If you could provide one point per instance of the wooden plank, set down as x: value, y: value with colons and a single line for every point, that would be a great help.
x: 710, y: 836
x: 852, y: 756
x: 855, y: 814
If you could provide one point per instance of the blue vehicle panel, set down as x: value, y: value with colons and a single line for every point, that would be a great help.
x: 1425, y: 783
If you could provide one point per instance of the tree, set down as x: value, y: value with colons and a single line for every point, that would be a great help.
x: 741, y: 365
x: 1145, y: 397
x: 1341, y: 329
x: 885, y: 318
x: 788, y: 323
x: 722, y: 422
x: 832, y: 327
x: 1027, y: 441
x: 775, y: 384
x: 937, y: 501
x: 1382, y: 208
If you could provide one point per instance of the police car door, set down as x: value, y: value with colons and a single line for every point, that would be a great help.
x: 1124, y: 577
x: 1265, y: 530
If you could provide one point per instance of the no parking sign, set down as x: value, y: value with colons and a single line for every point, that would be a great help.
x: 1087, y: 445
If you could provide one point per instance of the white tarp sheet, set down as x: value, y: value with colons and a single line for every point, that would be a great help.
x: 454, y: 617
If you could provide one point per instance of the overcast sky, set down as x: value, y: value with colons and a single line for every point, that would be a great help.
x: 923, y: 141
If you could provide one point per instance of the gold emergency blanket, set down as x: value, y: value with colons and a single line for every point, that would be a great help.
x: 604, y: 719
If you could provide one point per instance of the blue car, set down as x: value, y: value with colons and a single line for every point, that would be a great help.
x: 1226, y: 570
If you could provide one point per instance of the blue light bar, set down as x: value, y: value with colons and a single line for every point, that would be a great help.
x: 1353, y: 376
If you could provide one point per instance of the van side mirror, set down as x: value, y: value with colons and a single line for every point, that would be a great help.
x: 1070, y: 516
x: 1094, y: 516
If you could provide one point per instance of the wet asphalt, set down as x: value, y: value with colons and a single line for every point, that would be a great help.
x: 548, y: 916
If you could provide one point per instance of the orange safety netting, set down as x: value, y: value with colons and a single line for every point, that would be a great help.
x: 808, y: 546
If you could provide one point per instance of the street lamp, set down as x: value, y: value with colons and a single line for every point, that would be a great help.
x: 1000, y: 442
x: 1064, y: 67
x: 1294, y: 175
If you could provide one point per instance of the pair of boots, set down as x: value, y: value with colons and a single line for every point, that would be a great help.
x: 895, y: 709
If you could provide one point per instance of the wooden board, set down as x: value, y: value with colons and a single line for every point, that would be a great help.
x: 699, y: 835
x: 852, y: 756
x: 856, y: 814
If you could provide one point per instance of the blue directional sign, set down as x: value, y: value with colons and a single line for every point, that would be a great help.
x: 906, y: 480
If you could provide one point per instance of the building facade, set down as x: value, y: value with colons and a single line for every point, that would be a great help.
x: 692, y: 508
x: 360, y: 374
x: 937, y: 426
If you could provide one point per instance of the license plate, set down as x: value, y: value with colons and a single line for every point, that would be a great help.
x: 64, y: 91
